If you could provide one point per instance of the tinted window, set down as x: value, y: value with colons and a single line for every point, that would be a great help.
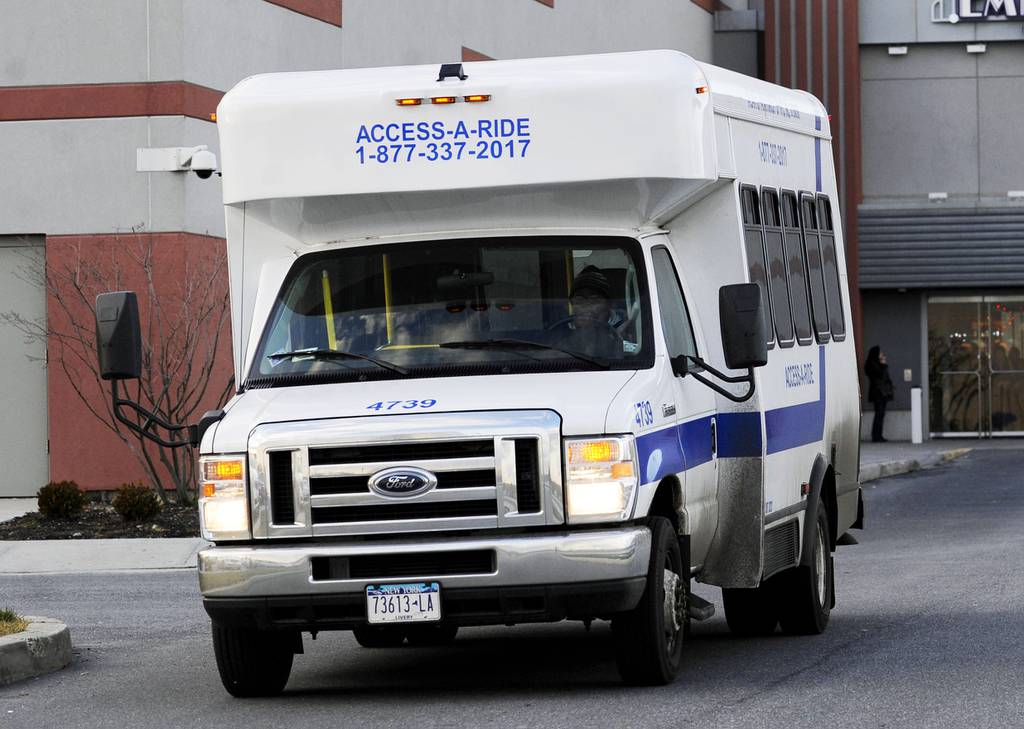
x: 675, y: 319
x: 437, y: 307
x: 830, y: 266
x: 753, y: 238
x: 796, y: 267
x: 816, y: 281
x: 777, y: 267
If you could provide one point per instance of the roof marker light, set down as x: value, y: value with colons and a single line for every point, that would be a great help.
x: 475, y: 98
x: 702, y: 89
x: 408, y: 102
x: 443, y: 100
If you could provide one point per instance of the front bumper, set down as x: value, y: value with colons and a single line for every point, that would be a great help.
x: 531, y: 578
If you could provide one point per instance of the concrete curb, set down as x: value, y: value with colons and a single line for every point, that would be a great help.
x: 875, y: 471
x: 43, y: 648
x: 97, y: 555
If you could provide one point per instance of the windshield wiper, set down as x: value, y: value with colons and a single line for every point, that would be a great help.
x: 519, y: 344
x: 330, y: 354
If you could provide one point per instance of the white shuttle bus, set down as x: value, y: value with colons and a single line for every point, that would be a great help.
x: 526, y: 341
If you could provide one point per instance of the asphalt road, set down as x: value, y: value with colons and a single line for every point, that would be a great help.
x: 928, y: 632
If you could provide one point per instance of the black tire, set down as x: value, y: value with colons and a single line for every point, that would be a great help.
x: 253, y: 662
x: 750, y: 612
x: 804, y: 594
x: 649, y: 650
x: 424, y: 636
x: 376, y: 636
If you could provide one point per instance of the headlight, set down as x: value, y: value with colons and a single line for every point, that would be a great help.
x: 223, y: 507
x: 600, y: 479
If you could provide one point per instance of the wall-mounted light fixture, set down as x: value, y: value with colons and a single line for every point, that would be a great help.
x: 975, y: 47
x: 938, y: 197
x: 897, y: 50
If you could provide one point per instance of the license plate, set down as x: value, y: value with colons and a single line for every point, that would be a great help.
x: 415, y: 602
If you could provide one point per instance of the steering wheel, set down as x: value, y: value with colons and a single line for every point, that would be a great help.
x: 564, y: 324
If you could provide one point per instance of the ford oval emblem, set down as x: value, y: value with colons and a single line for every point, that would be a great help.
x: 402, y: 481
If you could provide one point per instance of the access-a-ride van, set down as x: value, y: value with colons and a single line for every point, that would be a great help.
x: 523, y: 341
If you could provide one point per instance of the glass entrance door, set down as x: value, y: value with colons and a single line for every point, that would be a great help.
x: 976, y: 372
x: 1006, y: 379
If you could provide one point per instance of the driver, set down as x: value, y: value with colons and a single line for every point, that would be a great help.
x: 590, y: 331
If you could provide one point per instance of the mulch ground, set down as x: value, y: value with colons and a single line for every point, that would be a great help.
x: 100, y: 521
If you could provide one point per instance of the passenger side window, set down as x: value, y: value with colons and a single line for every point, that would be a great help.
x: 777, y: 267
x: 815, y: 276
x: 796, y: 267
x: 753, y: 239
x: 675, y: 319
x: 830, y: 266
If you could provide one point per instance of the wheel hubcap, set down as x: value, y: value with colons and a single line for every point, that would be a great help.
x: 820, y: 557
x: 674, y: 604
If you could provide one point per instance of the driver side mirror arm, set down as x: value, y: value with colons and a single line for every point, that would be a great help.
x: 680, y: 367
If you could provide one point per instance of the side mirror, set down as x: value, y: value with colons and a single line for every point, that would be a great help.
x: 744, y: 333
x: 118, y: 340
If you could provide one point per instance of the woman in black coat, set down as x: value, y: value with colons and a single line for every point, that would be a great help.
x: 880, y: 389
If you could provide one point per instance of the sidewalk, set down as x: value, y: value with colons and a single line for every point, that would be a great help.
x: 878, y: 460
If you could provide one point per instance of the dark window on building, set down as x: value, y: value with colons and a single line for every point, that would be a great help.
x: 796, y: 266
x: 830, y: 266
x: 777, y: 267
x: 753, y: 238
x: 815, y: 277
x: 675, y: 319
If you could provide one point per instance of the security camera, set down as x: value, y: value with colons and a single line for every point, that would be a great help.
x: 203, y: 163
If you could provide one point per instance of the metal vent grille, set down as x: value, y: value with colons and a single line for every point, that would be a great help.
x: 402, y: 511
x: 378, y: 566
x: 492, y: 470
x: 402, y: 452
x: 282, y: 491
x: 527, y: 476
x: 781, y: 546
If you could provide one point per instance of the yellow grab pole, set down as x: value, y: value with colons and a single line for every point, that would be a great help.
x: 332, y: 340
x: 387, y: 299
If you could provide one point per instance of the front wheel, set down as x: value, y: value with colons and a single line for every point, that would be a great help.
x: 805, y: 592
x: 253, y: 662
x: 649, y: 638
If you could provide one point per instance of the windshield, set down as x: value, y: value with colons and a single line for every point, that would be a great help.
x: 459, y: 307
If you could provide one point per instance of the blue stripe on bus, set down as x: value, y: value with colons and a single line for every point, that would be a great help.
x: 679, y: 448
x: 797, y: 425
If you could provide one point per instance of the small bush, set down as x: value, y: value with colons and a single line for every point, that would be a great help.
x: 61, y: 500
x: 136, y: 503
x: 11, y: 622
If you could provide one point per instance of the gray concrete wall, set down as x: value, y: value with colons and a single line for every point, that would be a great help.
x: 892, y: 320
x: 23, y: 427
x: 910, y: 21
x: 397, y: 32
x: 942, y: 120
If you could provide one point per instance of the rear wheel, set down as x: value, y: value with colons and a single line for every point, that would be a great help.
x: 376, y: 636
x: 649, y: 638
x: 422, y: 636
x: 253, y: 662
x: 804, y: 593
x: 750, y: 612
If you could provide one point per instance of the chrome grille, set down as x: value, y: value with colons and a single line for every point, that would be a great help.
x: 493, y: 470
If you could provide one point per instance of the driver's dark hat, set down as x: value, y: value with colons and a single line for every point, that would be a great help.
x: 591, y: 279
